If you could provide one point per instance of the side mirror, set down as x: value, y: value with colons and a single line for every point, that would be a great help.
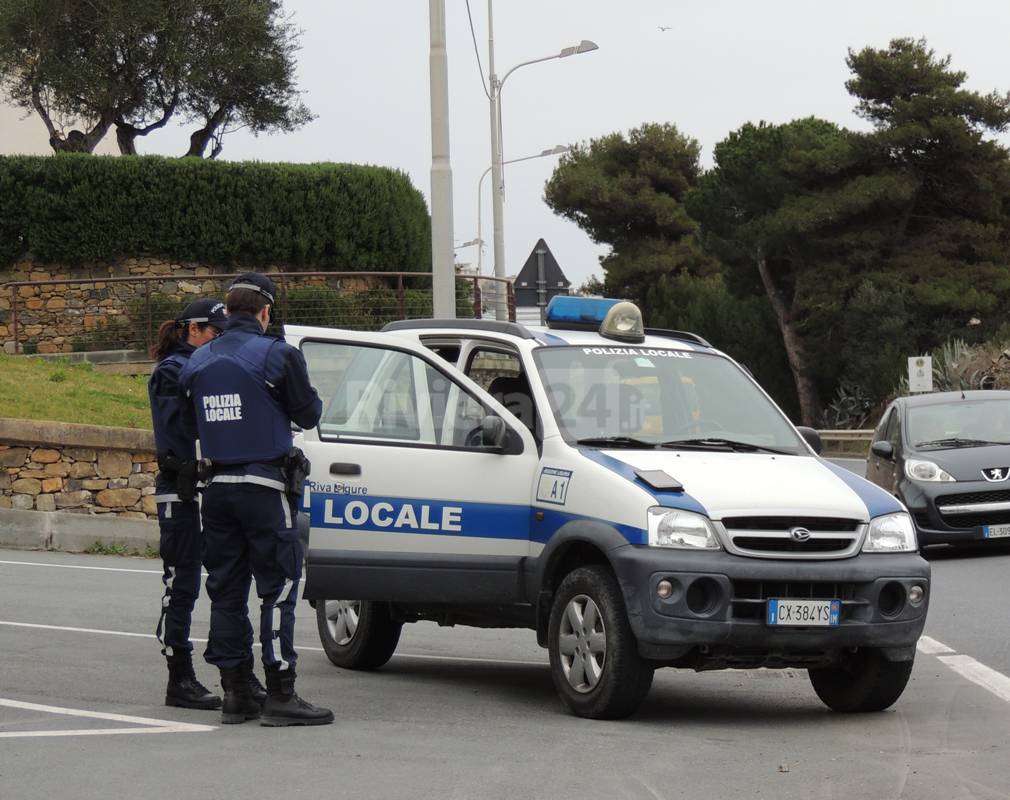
x: 812, y: 437
x: 883, y: 449
x: 492, y: 432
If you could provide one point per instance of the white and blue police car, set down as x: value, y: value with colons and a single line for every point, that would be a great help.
x: 630, y: 494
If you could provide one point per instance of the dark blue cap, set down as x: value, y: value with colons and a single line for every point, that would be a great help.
x: 256, y: 282
x: 208, y: 310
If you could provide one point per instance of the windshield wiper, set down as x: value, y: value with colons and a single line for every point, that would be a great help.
x: 710, y: 442
x: 955, y: 441
x: 616, y: 441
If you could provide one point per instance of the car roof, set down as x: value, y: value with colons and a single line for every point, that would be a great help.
x: 945, y: 398
x: 552, y: 337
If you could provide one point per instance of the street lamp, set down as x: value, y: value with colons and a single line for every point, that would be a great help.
x: 494, y: 95
x: 554, y: 151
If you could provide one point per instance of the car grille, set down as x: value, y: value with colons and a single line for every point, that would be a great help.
x: 957, y: 510
x: 972, y: 497
x: 977, y: 520
x: 749, y: 597
x: 769, y: 537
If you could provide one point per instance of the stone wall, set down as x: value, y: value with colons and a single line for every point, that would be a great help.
x: 99, y: 310
x: 93, y: 313
x: 78, y: 469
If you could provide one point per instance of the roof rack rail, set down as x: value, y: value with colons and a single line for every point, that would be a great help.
x: 489, y: 325
x: 682, y: 335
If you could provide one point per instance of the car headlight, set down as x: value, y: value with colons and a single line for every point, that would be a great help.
x: 670, y: 527
x: 919, y: 470
x: 891, y: 533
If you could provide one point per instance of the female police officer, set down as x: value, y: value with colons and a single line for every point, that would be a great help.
x: 178, y: 511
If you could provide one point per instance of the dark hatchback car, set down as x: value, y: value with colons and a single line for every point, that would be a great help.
x: 947, y: 457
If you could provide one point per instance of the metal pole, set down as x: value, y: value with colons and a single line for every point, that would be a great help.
x: 148, y: 338
x: 14, y: 317
x: 285, y: 319
x: 480, y: 237
x: 541, y: 286
x: 501, y: 308
x: 442, y: 258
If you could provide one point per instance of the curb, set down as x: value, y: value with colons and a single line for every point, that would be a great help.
x: 73, y: 533
x: 36, y: 433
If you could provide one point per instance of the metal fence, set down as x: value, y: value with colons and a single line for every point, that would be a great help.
x: 124, y: 313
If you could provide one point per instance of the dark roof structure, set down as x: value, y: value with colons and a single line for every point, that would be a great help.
x: 525, y: 284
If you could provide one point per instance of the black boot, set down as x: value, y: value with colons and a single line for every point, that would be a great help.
x: 259, y: 693
x: 184, y: 690
x: 239, y: 703
x: 284, y: 707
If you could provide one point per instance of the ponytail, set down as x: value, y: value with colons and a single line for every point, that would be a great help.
x: 170, y: 336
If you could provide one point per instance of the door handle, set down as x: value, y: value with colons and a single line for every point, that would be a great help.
x: 345, y: 469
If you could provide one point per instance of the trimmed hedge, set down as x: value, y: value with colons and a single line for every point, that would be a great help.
x: 76, y: 209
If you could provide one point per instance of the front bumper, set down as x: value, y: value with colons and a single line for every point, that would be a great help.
x: 717, y: 610
x: 934, y: 527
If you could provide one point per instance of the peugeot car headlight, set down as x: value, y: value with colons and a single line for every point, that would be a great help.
x: 670, y: 527
x: 891, y: 533
x: 919, y: 470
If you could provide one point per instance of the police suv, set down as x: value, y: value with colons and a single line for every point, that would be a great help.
x: 632, y: 495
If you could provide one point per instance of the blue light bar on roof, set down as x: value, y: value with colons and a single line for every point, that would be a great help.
x: 565, y: 311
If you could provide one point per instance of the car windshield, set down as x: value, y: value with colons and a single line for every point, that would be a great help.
x: 638, y: 397
x: 959, y: 423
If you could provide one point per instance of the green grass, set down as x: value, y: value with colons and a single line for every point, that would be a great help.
x: 32, y: 388
x: 100, y: 548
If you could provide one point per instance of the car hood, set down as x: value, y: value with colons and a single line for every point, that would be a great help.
x: 967, y: 463
x: 756, y: 484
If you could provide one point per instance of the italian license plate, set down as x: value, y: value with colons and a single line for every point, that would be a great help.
x: 803, y: 612
x: 995, y: 531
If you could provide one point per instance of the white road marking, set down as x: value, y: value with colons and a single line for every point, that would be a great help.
x: 966, y: 666
x: 131, y: 634
x: 979, y: 673
x: 148, y: 725
x: 79, y: 566
x: 931, y: 647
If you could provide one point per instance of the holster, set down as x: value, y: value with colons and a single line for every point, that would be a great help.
x: 183, y: 473
x: 296, y: 469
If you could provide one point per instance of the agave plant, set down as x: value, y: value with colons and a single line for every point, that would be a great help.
x: 850, y: 410
x: 958, y: 365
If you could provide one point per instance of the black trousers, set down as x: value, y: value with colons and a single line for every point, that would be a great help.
x: 250, y: 533
x: 181, y: 548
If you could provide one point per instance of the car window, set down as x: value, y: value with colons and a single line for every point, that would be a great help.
x: 893, y: 431
x: 880, y: 434
x: 448, y: 351
x: 659, y: 396
x: 502, y: 376
x: 372, y: 393
x: 960, y: 422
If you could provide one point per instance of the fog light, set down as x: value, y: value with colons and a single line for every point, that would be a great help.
x: 915, y: 595
x: 664, y: 590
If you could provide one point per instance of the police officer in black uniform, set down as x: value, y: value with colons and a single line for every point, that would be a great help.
x: 242, y: 392
x: 175, y: 486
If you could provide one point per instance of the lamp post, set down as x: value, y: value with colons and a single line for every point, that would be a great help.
x: 497, y: 181
x: 554, y: 151
x: 442, y: 261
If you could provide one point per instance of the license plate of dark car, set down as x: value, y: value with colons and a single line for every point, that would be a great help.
x: 809, y: 613
x: 996, y: 531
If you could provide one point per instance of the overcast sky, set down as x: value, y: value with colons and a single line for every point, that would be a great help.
x: 364, y: 69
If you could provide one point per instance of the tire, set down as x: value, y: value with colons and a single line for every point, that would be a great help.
x: 595, y: 664
x: 357, y: 634
x: 863, y: 681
